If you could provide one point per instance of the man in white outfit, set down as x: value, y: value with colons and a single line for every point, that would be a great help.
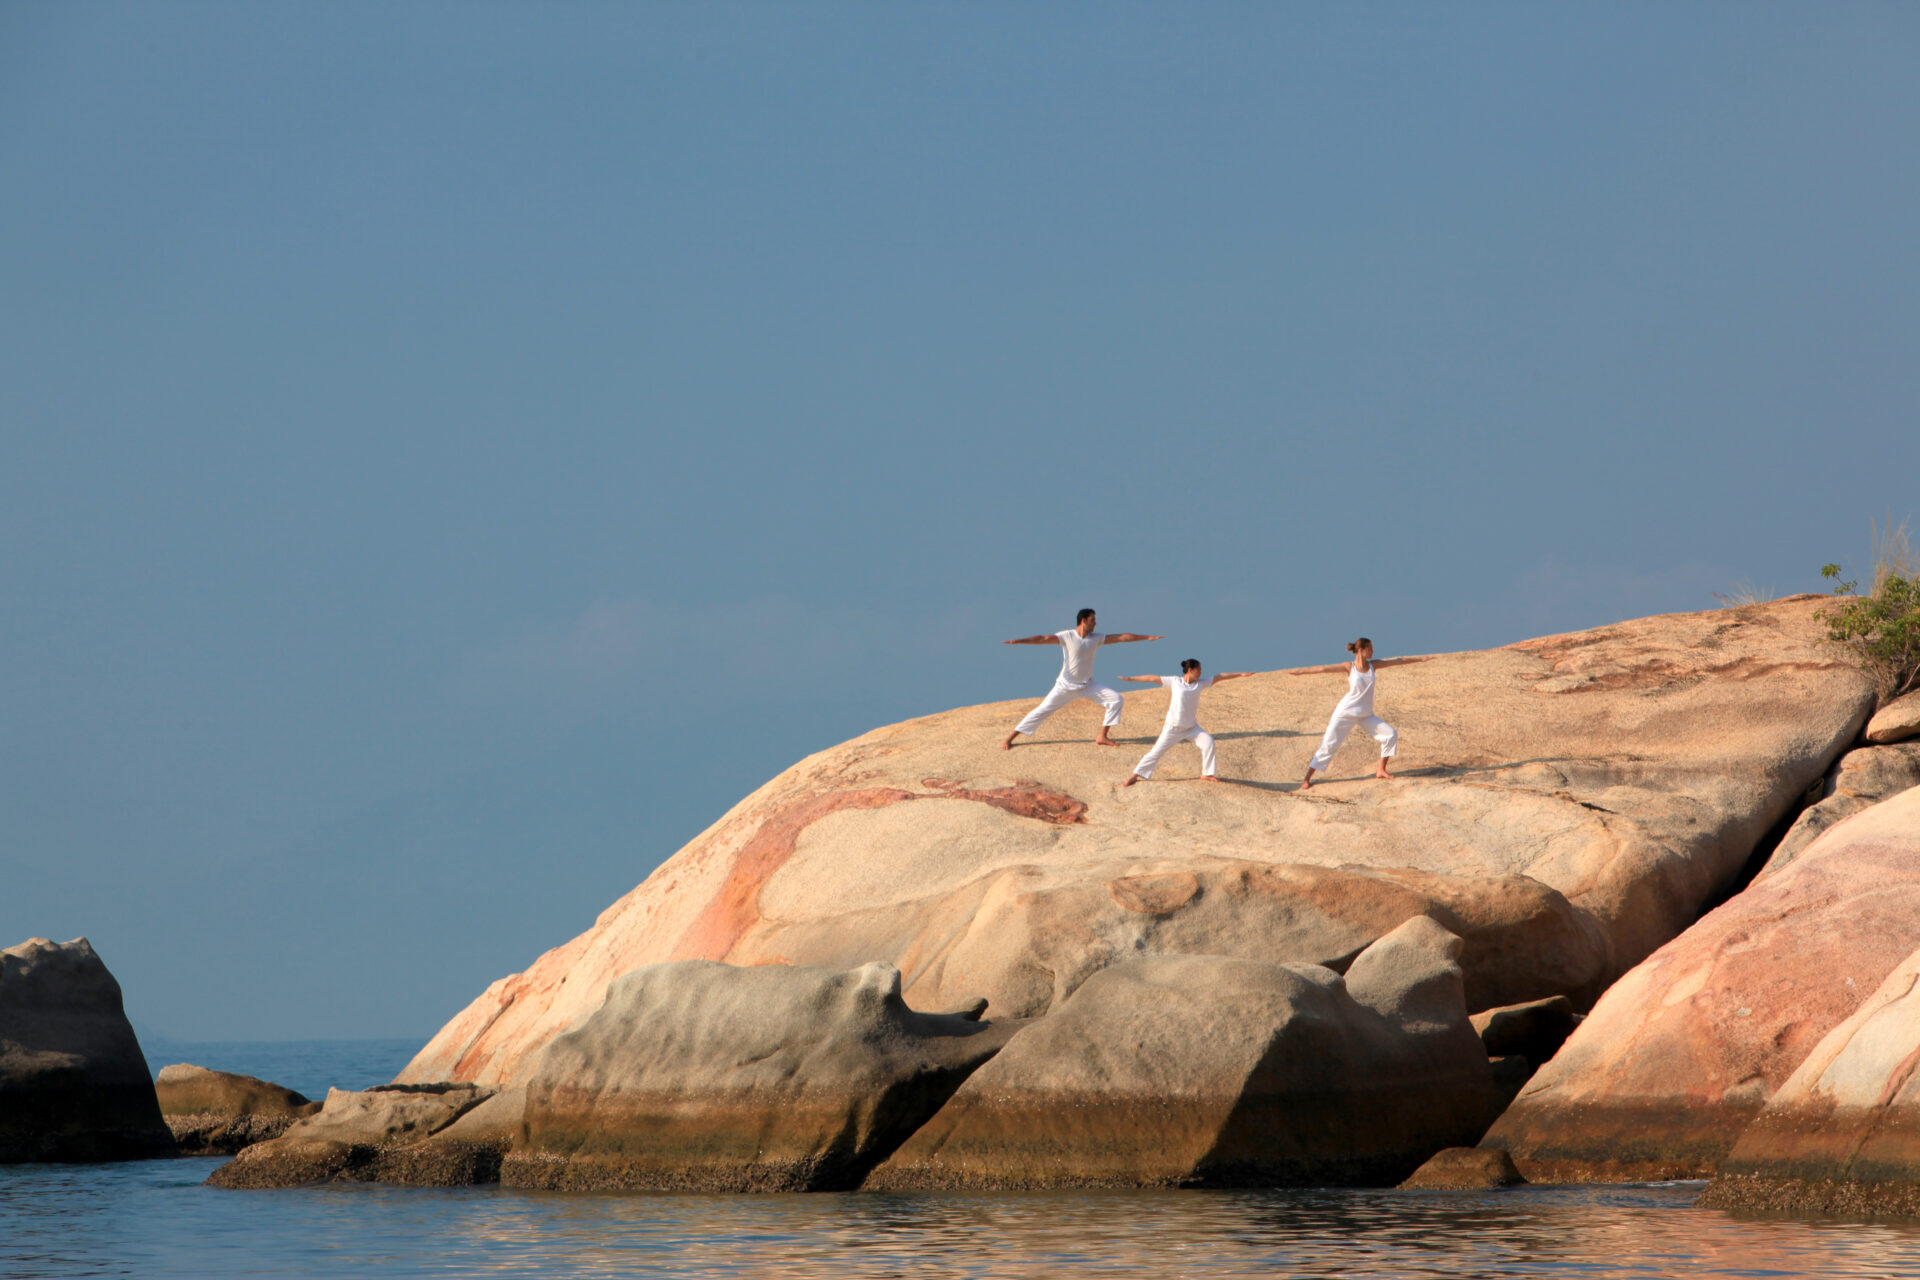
x: 1076, y: 677
x: 1183, y: 715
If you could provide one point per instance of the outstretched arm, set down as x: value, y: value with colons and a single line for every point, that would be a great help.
x: 1143, y: 679
x: 1127, y: 637
x: 1034, y: 640
x: 1234, y: 675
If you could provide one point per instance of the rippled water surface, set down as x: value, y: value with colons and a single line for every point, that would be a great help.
x: 155, y: 1219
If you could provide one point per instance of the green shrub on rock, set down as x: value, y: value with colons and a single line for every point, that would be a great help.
x: 1882, y: 628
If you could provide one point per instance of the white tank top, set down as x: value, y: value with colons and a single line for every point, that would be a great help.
x: 1359, y: 699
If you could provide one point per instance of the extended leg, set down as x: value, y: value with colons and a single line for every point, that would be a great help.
x: 1383, y: 733
x: 1111, y: 700
x: 1144, y: 770
x: 1056, y: 698
x: 1204, y: 740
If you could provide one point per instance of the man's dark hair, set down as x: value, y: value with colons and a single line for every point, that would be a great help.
x: 1189, y: 664
x: 1082, y: 616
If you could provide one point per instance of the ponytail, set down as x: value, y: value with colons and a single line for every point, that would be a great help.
x: 1354, y: 646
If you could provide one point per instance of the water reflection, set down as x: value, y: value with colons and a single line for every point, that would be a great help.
x: 154, y: 1220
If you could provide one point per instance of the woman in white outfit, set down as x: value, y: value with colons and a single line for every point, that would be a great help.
x: 1355, y: 711
x: 1183, y: 718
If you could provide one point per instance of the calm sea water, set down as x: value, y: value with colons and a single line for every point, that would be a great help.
x: 155, y: 1219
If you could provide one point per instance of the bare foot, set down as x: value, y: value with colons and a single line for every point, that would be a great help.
x: 1306, y: 784
x: 1104, y: 741
x: 1131, y: 779
x: 1384, y: 776
x: 1008, y: 744
x: 1207, y: 777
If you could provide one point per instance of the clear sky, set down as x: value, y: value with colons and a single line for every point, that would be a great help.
x: 449, y: 453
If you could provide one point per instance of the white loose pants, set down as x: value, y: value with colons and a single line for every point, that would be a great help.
x: 1062, y: 694
x: 1171, y: 736
x: 1344, y: 723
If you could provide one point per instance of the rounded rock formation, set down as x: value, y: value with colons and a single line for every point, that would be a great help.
x: 1564, y: 805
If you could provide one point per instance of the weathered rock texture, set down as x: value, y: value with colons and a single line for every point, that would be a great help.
x: 1863, y: 778
x: 1534, y: 1030
x: 1213, y: 1071
x: 1895, y: 722
x: 375, y: 1135
x: 1842, y: 1135
x: 706, y: 1077
x: 1464, y: 1169
x: 73, y: 1082
x: 1678, y: 1056
x: 1565, y: 805
x: 216, y: 1113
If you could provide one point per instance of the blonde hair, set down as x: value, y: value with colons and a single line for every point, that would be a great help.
x: 1356, y: 645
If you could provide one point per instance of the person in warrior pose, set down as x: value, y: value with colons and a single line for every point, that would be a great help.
x: 1356, y: 711
x: 1076, y: 677
x: 1183, y: 710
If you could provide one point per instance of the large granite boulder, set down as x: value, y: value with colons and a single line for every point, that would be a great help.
x: 73, y: 1082
x: 707, y: 1077
x: 1682, y: 1053
x: 1842, y: 1135
x: 371, y: 1135
x: 1214, y: 1071
x: 1863, y: 778
x: 217, y: 1113
x: 1898, y: 721
x: 1566, y: 805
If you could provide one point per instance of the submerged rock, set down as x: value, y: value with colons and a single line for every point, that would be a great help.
x: 357, y: 1136
x: 73, y: 1082
x: 1842, y: 1135
x: 218, y: 1113
x: 708, y: 1077
x: 1464, y: 1169
x: 1683, y: 1052
x: 1216, y: 1071
x: 1565, y: 805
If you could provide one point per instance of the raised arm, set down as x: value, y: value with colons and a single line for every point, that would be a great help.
x: 1127, y: 637
x: 1034, y: 640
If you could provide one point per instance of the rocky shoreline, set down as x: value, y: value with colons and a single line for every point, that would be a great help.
x: 900, y: 966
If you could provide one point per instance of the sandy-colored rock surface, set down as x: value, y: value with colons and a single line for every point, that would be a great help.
x: 1682, y: 1053
x: 73, y: 1082
x: 1863, y: 778
x: 1842, y: 1135
x: 371, y: 1135
x: 219, y: 1113
x: 1534, y: 1030
x: 1213, y: 1071
x: 696, y: 1076
x: 1895, y: 722
x: 1565, y: 805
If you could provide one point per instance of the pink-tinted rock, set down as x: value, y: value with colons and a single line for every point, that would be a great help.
x: 1464, y: 1169
x: 1682, y: 1053
x: 1565, y: 806
x: 1842, y: 1135
x: 1862, y: 778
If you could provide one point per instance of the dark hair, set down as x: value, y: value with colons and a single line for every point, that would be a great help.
x: 1355, y: 646
x: 1082, y: 616
x: 1189, y: 664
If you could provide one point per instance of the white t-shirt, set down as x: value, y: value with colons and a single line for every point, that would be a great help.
x: 1183, y: 707
x: 1076, y: 656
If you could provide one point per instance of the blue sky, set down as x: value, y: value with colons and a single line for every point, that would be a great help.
x: 449, y: 453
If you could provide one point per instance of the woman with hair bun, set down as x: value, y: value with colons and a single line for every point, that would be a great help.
x: 1355, y: 711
